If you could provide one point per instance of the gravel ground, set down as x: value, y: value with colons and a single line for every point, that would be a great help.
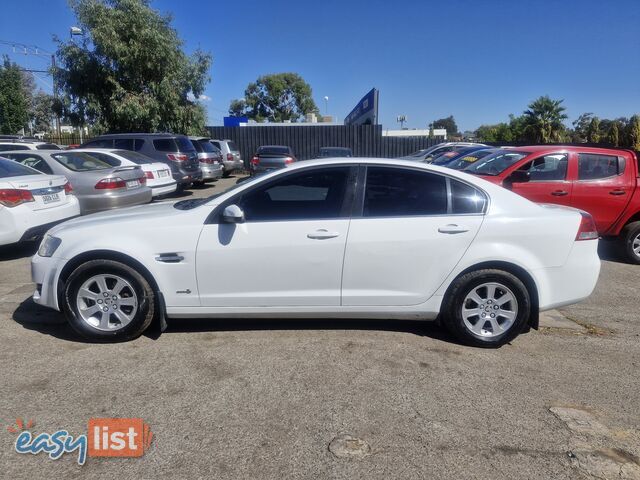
x: 265, y: 399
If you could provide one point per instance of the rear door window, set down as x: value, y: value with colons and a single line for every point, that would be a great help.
x: 594, y: 166
x: 395, y: 192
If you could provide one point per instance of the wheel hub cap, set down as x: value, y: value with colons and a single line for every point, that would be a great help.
x: 107, y: 302
x: 489, y: 309
x: 636, y: 245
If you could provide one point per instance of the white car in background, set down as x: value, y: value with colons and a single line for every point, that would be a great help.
x: 158, y: 174
x: 31, y: 202
x: 350, y: 237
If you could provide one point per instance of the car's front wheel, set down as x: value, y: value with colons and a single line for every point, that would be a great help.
x: 486, y: 308
x: 105, y: 300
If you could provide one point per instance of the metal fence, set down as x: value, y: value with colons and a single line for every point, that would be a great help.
x: 306, y: 141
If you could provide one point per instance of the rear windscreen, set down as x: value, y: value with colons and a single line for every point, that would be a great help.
x: 135, y: 157
x: 79, y: 162
x: 9, y: 168
x: 273, y: 151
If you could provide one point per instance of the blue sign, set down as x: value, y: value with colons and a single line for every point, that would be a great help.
x: 366, y: 111
x: 234, y: 121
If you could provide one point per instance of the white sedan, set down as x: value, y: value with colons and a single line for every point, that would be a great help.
x: 31, y: 202
x: 356, y: 238
x: 158, y: 174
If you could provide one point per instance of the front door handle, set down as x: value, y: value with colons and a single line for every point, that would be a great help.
x: 559, y: 193
x: 322, y: 234
x: 452, y: 229
x: 617, y: 192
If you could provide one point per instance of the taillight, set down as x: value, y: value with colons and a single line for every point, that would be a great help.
x: 111, y: 183
x: 68, y: 189
x: 207, y: 160
x: 288, y: 160
x: 149, y: 175
x: 255, y: 160
x: 12, y: 197
x: 179, y: 157
x: 588, y: 229
x: 229, y: 157
x: 143, y: 180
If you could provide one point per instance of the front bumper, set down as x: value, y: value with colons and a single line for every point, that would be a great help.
x: 116, y: 199
x: 44, y: 273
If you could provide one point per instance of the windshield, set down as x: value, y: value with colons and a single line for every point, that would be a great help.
x: 134, y: 157
x: 189, y: 204
x: 79, y: 162
x: 495, y: 164
x: 273, y: 150
x: 9, y: 168
x: 463, y: 161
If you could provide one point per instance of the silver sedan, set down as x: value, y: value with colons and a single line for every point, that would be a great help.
x: 97, y: 185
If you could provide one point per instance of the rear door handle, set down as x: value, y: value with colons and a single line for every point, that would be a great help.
x: 452, y: 229
x: 617, y: 192
x: 559, y: 193
x: 322, y: 234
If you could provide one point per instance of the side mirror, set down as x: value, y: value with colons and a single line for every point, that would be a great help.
x: 519, y: 176
x: 232, y: 214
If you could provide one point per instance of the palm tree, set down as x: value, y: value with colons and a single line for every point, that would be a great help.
x: 544, y: 120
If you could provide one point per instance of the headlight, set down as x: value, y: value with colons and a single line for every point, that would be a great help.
x: 48, y: 246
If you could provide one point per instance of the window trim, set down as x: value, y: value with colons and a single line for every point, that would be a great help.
x: 362, y: 185
x: 214, y: 218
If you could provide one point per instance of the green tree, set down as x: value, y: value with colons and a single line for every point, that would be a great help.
x: 544, y: 119
x: 449, y: 123
x: 275, y: 98
x: 580, y: 127
x: 41, y: 112
x: 14, y: 99
x: 593, y: 130
x: 633, y: 135
x: 129, y: 72
x: 613, y: 136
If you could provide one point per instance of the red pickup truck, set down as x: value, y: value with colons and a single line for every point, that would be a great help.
x: 601, y: 181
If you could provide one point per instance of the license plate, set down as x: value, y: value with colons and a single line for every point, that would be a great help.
x: 132, y: 184
x: 50, y: 198
x: 163, y: 173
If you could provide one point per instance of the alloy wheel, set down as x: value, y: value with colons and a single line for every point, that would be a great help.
x: 489, y: 309
x: 107, y: 302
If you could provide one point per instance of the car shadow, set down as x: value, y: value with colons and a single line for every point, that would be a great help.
x: 202, y: 186
x: 610, y: 251
x: 32, y: 316
x: 18, y: 250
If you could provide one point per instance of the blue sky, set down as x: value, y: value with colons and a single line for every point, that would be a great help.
x: 479, y: 60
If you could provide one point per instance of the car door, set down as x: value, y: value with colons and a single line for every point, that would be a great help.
x: 290, y: 248
x: 412, y: 228
x: 543, y: 179
x: 603, y: 187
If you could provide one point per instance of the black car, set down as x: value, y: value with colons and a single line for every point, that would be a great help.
x: 177, y: 151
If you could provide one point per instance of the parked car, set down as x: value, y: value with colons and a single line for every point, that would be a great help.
x: 177, y: 151
x: 335, y: 152
x: 445, y: 158
x: 463, y: 160
x: 427, y: 154
x: 230, y: 156
x: 158, y: 174
x: 210, y: 158
x: 423, y: 242
x: 7, y: 145
x: 31, y: 203
x: 98, y: 185
x: 601, y: 181
x: 271, y: 157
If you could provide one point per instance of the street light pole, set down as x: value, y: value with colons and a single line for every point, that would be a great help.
x: 326, y: 105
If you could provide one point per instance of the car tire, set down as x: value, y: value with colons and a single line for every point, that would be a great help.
x: 226, y: 174
x: 500, y: 311
x: 630, y: 242
x: 100, y: 286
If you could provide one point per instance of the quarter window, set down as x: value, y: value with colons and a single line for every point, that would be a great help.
x: 465, y: 199
x: 593, y: 166
x: 124, y: 143
x: 393, y: 192
x: 306, y: 196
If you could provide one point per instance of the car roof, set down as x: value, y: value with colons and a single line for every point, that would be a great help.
x: 124, y: 135
x: 564, y: 148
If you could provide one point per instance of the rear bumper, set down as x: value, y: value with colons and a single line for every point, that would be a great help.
x: 211, y: 171
x: 230, y: 166
x: 572, y: 282
x: 165, y: 189
x: 263, y: 169
x: 25, y: 224
x: 110, y: 200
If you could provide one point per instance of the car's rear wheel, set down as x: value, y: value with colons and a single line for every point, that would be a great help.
x: 106, y: 300
x: 486, y: 308
x: 630, y: 238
